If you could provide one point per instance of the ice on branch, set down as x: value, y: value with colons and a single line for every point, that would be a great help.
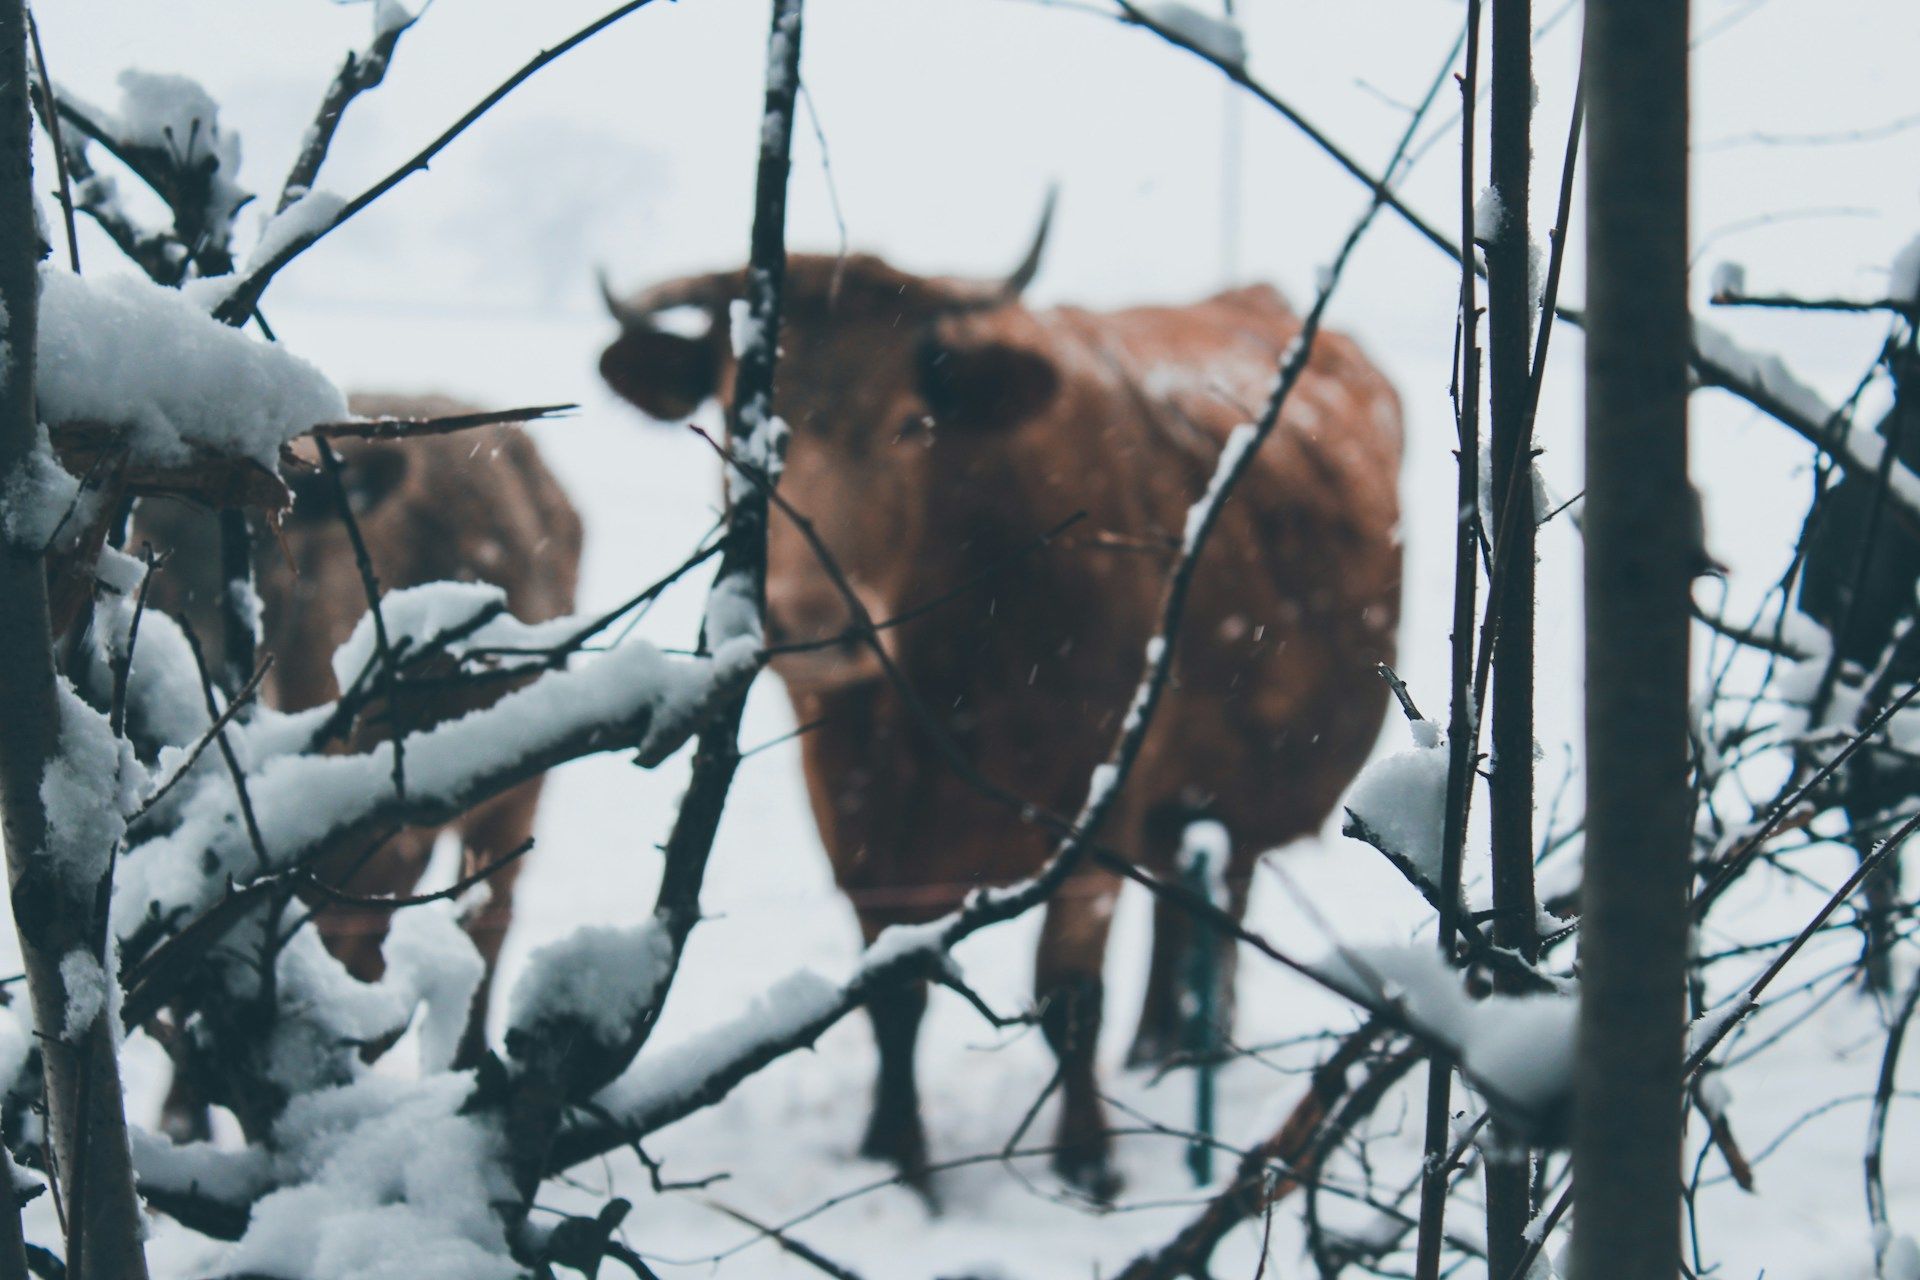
x: 426, y: 617
x: 134, y: 356
x: 175, y: 114
x: 743, y: 329
x: 1399, y: 806
x: 1729, y: 280
x: 1899, y: 1257
x: 434, y: 961
x: 87, y: 985
x: 176, y: 123
x: 1218, y: 38
x: 164, y: 701
x: 1206, y: 850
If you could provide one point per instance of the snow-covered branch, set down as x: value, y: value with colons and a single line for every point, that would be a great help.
x: 632, y: 696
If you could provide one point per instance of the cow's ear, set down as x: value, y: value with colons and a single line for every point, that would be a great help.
x: 984, y: 384
x: 667, y: 374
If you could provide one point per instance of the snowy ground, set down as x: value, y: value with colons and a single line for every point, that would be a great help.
x: 476, y: 280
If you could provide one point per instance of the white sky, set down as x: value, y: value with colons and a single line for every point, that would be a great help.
x: 947, y: 118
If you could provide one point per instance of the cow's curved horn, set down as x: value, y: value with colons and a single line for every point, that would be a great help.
x: 628, y: 317
x: 1016, y: 283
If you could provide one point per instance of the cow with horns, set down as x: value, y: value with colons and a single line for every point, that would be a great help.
x: 940, y: 430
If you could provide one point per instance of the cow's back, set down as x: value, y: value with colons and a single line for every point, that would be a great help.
x: 475, y: 505
x: 1296, y: 598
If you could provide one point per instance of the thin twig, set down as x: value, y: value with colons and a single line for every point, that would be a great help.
x: 1906, y: 307
x: 240, y: 303
x: 397, y: 902
x: 43, y: 99
x: 205, y: 740
x: 1463, y: 718
x: 219, y: 733
x: 370, y: 585
x: 410, y: 428
x: 806, y: 1253
x: 361, y: 72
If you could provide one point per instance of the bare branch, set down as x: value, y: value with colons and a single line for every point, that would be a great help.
x: 245, y: 295
x: 361, y: 72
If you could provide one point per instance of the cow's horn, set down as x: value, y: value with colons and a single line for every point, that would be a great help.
x: 629, y: 317
x: 1022, y: 275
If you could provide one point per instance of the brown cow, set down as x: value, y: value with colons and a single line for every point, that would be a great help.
x: 939, y: 429
x: 475, y: 505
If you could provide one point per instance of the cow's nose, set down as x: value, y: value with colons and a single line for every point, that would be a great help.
x: 797, y: 620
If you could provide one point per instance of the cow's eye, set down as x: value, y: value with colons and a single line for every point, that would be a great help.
x: 918, y: 426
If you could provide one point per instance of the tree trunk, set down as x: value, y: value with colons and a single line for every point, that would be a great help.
x: 1641, y: 532
x: 1509, y: 1176
x: 82, y: 1077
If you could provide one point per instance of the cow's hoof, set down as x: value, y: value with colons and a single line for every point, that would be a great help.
x: 904, y: 1146
x: 1151, y: 1049
x: 1091, y: 1173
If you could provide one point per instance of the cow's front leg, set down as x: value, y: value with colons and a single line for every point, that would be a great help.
x: 496, y: 831
x: 1167, y: 1032
x: 894, y: 1134
x: 1068, y: 987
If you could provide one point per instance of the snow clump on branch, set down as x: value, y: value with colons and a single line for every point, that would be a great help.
x: 1399, y: 806
x: 394, y: 1181
x: 1519, y: 1050
x: 597, y: 979
x: 1218, y: 38
x: 133, y: 355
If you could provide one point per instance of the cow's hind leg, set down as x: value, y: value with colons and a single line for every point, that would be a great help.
x: 489, y: 834
x: 354, y: 934
x: 1165, y: 1029
x: 185, y: 1116
x: 894, y: 1131
x: 1069, y: 990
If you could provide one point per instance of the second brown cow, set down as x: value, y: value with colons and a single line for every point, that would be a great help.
x: 476, y: 505
x: 939, y: 430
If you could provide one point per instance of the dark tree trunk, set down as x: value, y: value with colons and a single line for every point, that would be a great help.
x: 1642, y: 535
x: 83, y: 1075
x: 1509, y: 332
